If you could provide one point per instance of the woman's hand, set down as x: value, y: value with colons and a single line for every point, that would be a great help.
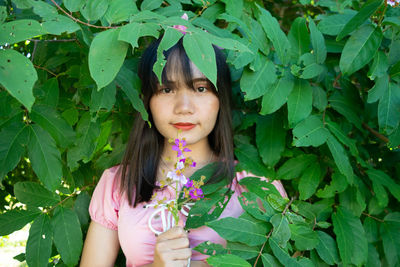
x: 172, y: 248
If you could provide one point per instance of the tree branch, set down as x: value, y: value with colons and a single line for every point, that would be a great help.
x: 377, y: 134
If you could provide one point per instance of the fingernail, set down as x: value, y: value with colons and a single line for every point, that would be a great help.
x: 156, y: 235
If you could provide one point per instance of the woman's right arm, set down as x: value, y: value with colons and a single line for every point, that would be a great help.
x: 101, y: 246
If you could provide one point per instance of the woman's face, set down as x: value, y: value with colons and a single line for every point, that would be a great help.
x: 193, y: 110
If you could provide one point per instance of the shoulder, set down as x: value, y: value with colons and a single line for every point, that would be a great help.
x: 109, y: 183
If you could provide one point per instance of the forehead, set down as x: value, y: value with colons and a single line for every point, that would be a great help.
x: 180, y: 69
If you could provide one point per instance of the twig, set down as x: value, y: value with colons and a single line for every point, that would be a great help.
x: 377, y: 134
x: 372, y: 217
x: 43, y: 68
x: 34, y: 51
x: 80, y: 21
x: 68, y: 197
x: 51, y: 40
x: 335, y: 82
x: 288, y: 205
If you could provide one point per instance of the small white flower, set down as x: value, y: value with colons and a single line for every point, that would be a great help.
x: 180, y: 178
x: 393, y: 2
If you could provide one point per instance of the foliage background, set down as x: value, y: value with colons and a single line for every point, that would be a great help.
x: 317, y: 105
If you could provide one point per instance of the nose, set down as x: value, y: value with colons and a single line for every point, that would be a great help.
x: 183, y: 103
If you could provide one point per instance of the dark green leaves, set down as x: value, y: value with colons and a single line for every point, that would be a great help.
x: 19, y: 30
x: 34, y: 194
x: 106, y: 56
x: 310, y: 132
x: 389, y: 109
x: 13, y: 66
x: 326, y: 248
x: 299, y: 102
x: 14, y: 220
x: 38, y: 247
x: 390, y: 231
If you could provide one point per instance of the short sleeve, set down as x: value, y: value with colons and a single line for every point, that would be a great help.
x: 104, y: 205
x: 240, y: 175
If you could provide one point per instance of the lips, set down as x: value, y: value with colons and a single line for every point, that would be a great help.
x: 184, y: 125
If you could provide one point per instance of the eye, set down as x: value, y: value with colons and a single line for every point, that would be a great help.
x: 165, y: 90
x: 201, y: 89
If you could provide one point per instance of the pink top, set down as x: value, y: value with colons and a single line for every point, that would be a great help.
x: 137, y: 241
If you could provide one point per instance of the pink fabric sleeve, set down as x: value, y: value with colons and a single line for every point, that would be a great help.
x: 104, y: 205
x: 240, y: 175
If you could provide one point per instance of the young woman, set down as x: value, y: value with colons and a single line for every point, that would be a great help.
x: 187, y: 105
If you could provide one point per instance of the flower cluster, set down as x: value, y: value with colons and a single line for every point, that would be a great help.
x: 393, y: 3
x: 192, y: 189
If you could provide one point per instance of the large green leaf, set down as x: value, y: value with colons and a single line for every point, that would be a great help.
x: 380, y: 88
x: 270, y: 138
x: 294, y: 167
x: 106, y: 56
x: 35, y: 195
x: 394, y: 138
x: 201, y: 52
x: 275, y: 34
x: 389, y: 109
x: 14, y: 220
x: 19, y: 30
x: 239, y: 230
x: 93, y: 10
x: 283, y: 255
x: 390, y: 232
x: 346, y: 106
x: 269, y: 260
x: 341, y: 158
x: 73, y: 5
x: 310, y: 132
x: 131, y: 32
x: 120, y: 10
x: 51, y: 121
x: 299, y: 38
x: 380, y: 177
x: 104, y: 98
x: 256, y: 83
x: 150, y: 4
x: 365, y: 12
x: 13, y: 140
x: 305, y: 238
x: 67, y: 235
x: 332, y: 25
x: 38, y: 246
x: 227, y: 260
x: 326, y: 248
x: 379, y: 66
x: 299, y: 102
x: 360, y: 49
x: 281, y: 232
x: 13, y: 66
x: 318, y: 42
x: 337, y: 185
x: 309, y: 181
x: 244, y: 251
x: 45, y: 157
x: 350, y: 236
x: 211, y: 249
x: 277, y: 94
x: 342, y: 137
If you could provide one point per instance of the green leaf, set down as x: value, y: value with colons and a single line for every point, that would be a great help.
x: 365, y: 12
x: 48, y: 93
x: 360, y: 49
x: 294, y: 167
x: 13, y: 140
x: 227, y: 260
x: 332, y: 25
x: 299, y: 38
x: 309, y: 181
x: 270, y: 138
x: 243, y: 251
x: 373, y: 256
x: 259, y: 186
x: 73, y: 5
x: 320, y: 101
x: 48, y: 118
x: 60, y: 24
x: 282, y: 255
x: 34, y: 194
x: 326, y: 248
x: 131, y: 32
x: 380, y: 88
x: 389, y: 109
x: 390, y: 232
x: 281, y: 232
x: 318, y: 42
x: 13, y: 66
x: 277, y: 94
x: 130, y: 83
x: 394, y: 138
x: 350, y: 236
x: 275, y: 34
x: 380, y: 177
x: 251, y: 203
x: 371, y: 229
x: 256, y: 83
x: 14, y: 220
x: 305, y: 238
x: 299, y: 102
x: 342, y: 137
x: 38, y: 246
x: 346, y: 106
x: 310, y: 132
x: 277, y: 202
x: 81, y: 207
x: 337, y: 185
x: 201, y: 52
x: 45, y: 157
x: 341, y: 158
x: 93, y: 10
x: 170, y: 38
x: 104, y: 98
x: 210, y: 249
x: 239, y: 230
x: 19, y: 30
x: 3, y: 14
x: 269, y: 260
x: 380, y: 194
x: 106, y: 56
x: 120, y: 10
x: 379, y: 66
x: 67, y: 235
x: 150, y: 4
x: 395, y: 70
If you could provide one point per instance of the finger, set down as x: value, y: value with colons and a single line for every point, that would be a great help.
x: 173, y: 244
x: 173, y: 233
x: 180, y: 254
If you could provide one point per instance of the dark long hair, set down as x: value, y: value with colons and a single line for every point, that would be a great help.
x: 144, y: 149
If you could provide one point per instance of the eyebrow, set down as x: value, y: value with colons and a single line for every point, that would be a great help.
x: 202, y: 79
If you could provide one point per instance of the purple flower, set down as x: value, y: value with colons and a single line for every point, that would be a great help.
x: 182, y: 28
x: 196, y: 193
x: 180, y: 147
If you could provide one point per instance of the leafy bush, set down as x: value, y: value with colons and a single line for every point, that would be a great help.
x: 317, y: 105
